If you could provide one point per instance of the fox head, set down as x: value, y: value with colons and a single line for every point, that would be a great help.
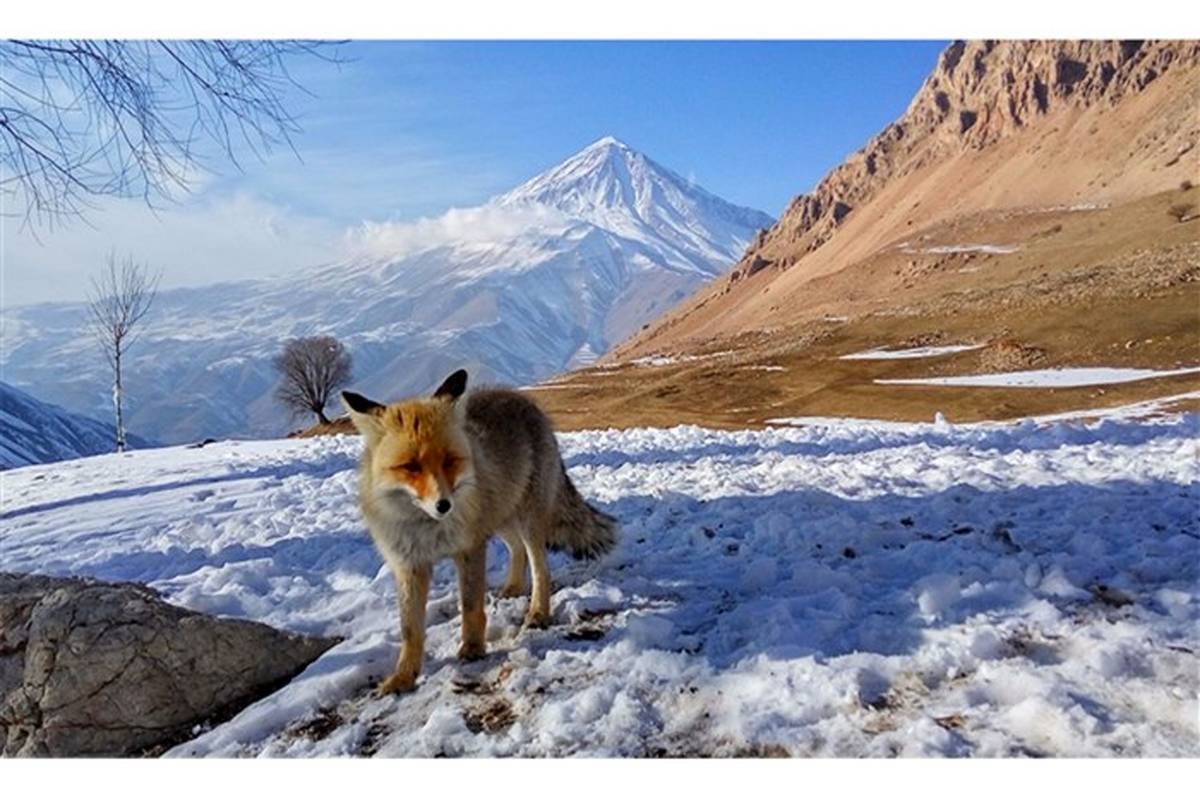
x: 417, y: 449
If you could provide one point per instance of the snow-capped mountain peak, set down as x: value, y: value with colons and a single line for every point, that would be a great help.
x: 605, y: 164
x: 547, y: 276
x: 613, y: 186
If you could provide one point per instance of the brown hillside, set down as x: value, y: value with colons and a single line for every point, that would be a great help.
x: 1116, y: 287
x: 997, y: 126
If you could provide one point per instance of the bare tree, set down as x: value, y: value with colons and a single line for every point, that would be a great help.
x: 86, y: 118
x: 120, y: 297
x: 311, y: 370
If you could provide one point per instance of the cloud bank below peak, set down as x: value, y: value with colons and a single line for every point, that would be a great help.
x: 457, y: 227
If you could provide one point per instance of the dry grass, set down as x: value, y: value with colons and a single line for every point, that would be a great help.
x: 1110, y: 287
x: 340, y: 426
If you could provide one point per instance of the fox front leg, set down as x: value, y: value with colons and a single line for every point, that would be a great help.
x: 412, y: 585
x: 472, y: 592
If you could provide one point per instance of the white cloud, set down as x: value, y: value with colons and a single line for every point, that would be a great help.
x: 210, y: 239
x: 479, y: 225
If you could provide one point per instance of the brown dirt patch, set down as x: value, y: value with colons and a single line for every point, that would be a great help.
x: 492, y: 716
x: 1010, y: 355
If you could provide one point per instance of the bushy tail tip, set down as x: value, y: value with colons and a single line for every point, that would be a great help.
x: 582, y: 530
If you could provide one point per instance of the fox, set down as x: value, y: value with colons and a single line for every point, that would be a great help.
x: 439, y: 476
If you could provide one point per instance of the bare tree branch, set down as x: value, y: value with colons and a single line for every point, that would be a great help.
x: 119, y: 299
x: 311, y: 369
x: 81, y: 119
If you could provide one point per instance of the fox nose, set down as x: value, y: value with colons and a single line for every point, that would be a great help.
x: 443, y: 506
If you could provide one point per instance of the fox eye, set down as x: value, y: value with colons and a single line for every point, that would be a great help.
x: 450, y: 462
x: 412, y: 467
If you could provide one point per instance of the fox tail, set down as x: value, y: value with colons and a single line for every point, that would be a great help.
x: 582, y: 530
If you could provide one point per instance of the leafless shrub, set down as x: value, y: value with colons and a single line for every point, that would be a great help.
x: 311, y: 369
x: 83, y: 118
x: 119, y: 299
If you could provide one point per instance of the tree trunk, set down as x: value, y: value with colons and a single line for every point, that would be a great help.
x: 118, y: 399
x: 321, y: 415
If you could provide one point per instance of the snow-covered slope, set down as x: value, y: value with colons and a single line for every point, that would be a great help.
x: 835, y: 588
x: 547, y: 276
x: 32, y: 431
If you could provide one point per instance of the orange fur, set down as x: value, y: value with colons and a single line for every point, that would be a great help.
x: 419, y: 448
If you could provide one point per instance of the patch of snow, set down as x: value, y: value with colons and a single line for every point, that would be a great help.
x: 661, y: 360
x: 989, y: 249
x: 914, y: 352
x: 1045, y: 378
x: 1087, y: 206
x: 955, y: 249
x: 1138, y: 410
x: 667, y: 360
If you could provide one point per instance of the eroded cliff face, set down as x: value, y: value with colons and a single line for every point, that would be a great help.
x: 980, y: 92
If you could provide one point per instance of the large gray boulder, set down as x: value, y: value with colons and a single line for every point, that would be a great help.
x: 95, y: 668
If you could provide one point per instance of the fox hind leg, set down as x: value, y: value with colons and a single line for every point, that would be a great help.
x: 539, y: 600
x: 518, y: 563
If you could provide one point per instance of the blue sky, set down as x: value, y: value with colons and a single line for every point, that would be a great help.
x: 409, y: 129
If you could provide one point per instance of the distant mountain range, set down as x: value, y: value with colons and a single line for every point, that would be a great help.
x: 543, y: 278
x: 38, y: 432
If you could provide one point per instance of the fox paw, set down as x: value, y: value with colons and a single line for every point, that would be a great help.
x: 472, y: 651
x: 535, y: 620
x: 398, y: 683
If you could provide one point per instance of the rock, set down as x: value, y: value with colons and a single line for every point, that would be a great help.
x: 757, y: 265
x: 979, y: 93
x: 95, y: 668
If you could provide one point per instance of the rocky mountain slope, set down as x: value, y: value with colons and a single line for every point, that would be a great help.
x: 38, y: 432
x: 996, y: 126
x: 545, y: 277
x: 1035, y: 208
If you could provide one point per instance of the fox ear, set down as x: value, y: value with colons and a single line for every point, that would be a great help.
x: 357, y: 403
x: 364, y: 413
x: 453, y: 386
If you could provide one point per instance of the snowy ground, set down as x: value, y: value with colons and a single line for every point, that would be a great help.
x: 836, y: 588
x: 1047, y: 378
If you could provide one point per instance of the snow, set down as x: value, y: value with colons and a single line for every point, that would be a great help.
x: 847, y: 588
x: 667, y: 360
x: 1068, y: 377
x: 1084, y: 206
x: 956, y: 249
x: 989, y: 249
x: 661, y: 360
x: 913, y: 352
